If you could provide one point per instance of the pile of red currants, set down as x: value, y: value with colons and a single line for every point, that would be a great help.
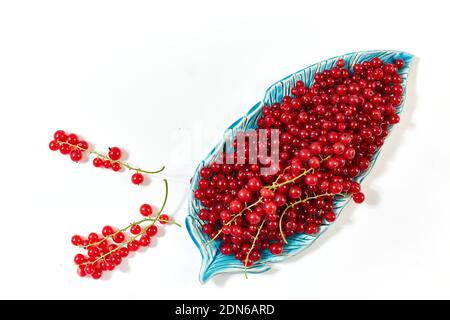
x: 328, y: 135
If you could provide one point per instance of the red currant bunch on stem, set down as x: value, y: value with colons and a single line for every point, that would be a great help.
x: 105, y: 251
x: 70, y: 144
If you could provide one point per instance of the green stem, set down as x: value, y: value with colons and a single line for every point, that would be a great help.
x: 144, y: 230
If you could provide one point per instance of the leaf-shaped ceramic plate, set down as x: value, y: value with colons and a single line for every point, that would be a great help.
x: 213, y: 261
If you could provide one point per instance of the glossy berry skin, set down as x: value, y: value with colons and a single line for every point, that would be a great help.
x: 72, y: 139
x: 107, y: 231
x: 115, y: 153
x: 76, y: 240
x: 137, y: 178
x: 115, y: 166
x: 79, y: 259
x: 236, y: 206
x: 76, y: 155
x: 135, y: 229
x: 53, y: 145
x: 276, y: 248
x: 97, y: 162
x: 144, y: 241
x: 60, y: 136
x: 146, y: 210
x: 152, y: 231
x: 358, y: 197
x: 119, y: 237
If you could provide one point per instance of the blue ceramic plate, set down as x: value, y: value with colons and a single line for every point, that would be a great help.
x: 213, y: 261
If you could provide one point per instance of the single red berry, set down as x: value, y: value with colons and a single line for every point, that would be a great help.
x: 64, y: 149
x: 89, y: 269
x: 97, y: 274
x: 115, y: 153
x: 135, y: 229
x: 358, y: 197
x: 107, y: 231
x: 146, y: 210
x: 53, y: 145
x: 340, y: 63
x: 145, y: 241
x: 93, y: 252
x: 76, y: 240
x: 236, y: 206
x: 137, y: 178
x: 124, y: 252
x: 133, y: 245
x: 119, y: 237
x: 107, y: 164
x: 79, y: 259
x: 276, y: 248
x: 115, y: 166
x: 295, y: 192
x: 97, y: 162
x: 76, y: 155
x: 244, y: 195
x: 163, y: 219
x: 330, y: 216
x: 83, y: 145
x: 93, y: 237
x: 254, y: 184
x: 72, y: 139
x: 152, y: 231
x: 60, y: 136
x: 399, y: 63
x: 253, y: 218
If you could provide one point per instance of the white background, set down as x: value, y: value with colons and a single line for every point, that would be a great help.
x: 163, y: 79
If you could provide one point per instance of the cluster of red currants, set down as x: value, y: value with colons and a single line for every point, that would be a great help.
x: 112, y: 163
x: 106, y: 251
x: 68, y: 144
x: 329, y: 133
x: 71, y: 144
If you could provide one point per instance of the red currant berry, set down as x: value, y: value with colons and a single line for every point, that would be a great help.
x: 72, y: 139
x: 135, y: 229
x: 79, y: 259
x: 76, y: 240
x: 358, y: 197
x: 107, y: 231
x: 97, y: 162
x: 53, y: 145
x: 64, y: 149
x: 107, y: 164
x: 119, y: 237
x: 137, y: 178
x: 253, y: 218
x: 276, y: 248
x: 115, y: 166
x: 145, y: 241
x: 76, y: 155
x: 60, y: 136
x: 330, y: 216
x: 152, y: 231
x: 114, y: 153
x: 146, y: 210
